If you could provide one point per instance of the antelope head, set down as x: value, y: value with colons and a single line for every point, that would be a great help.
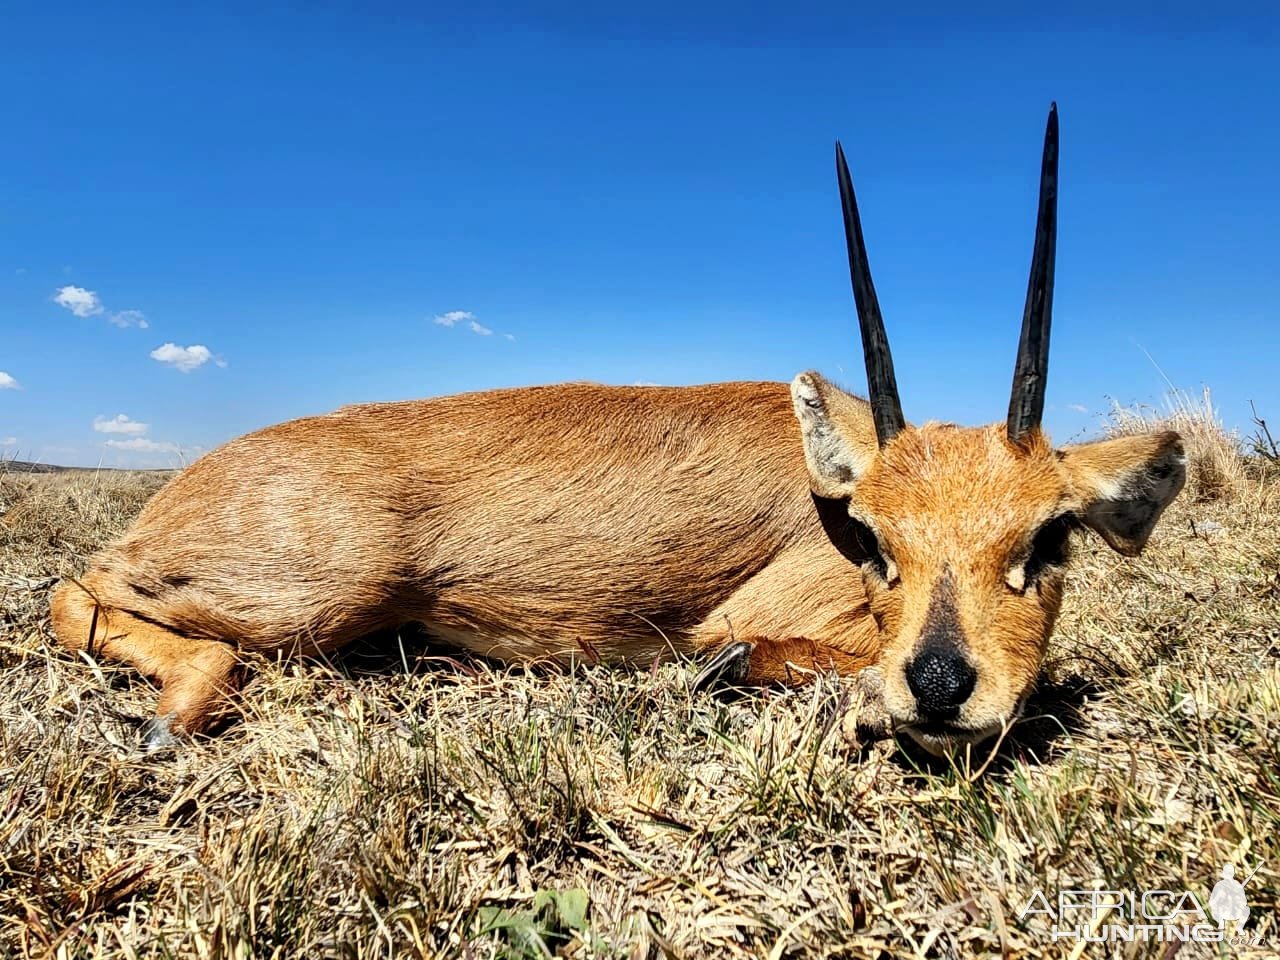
x: 962, y: 535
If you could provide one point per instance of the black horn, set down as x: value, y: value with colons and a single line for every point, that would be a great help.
x: 882, y: 388
x: 1026, y: 404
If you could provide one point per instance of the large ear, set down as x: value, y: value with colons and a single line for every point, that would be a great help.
x: 1124, y: 484
x: 838, y: 433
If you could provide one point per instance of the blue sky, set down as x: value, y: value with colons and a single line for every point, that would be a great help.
x: 648, y: 195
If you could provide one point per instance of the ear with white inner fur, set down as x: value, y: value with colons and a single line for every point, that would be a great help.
x: 838, y: 433
x: 1124, y: 484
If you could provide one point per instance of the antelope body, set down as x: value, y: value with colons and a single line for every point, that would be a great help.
x: 776, y: 531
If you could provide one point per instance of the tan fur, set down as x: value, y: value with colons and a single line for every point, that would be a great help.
x: 525, y: 524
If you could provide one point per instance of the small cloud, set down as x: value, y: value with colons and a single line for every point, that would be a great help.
x: 143, y: 445
x: 87, y: 303
x: 20, y: 272
x: 468, y: 319
x: 120, y: 423
x: 185, y: 359
x: 8, y: 383
x: 8, y: 441
x: 81, y: 302
x: 1078, y: 407
x: 130, y: 318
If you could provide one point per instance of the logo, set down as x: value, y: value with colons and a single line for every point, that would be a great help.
x: 1227, y: 900
x: 1160, y: 915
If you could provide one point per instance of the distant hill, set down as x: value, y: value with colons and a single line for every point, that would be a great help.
x: 23, y: 466
x: 26, y: 466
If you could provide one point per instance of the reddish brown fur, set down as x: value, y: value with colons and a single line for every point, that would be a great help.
x: 522, y: 524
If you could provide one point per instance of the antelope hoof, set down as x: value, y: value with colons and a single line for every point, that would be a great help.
x: 157, y: 734
x: 728, y: 667
x: 867, y: 717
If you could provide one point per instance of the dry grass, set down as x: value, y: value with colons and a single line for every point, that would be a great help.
x: 400, y: 802
x: 1216, y: 467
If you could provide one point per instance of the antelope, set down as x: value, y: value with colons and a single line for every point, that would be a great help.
x: 772, y: 533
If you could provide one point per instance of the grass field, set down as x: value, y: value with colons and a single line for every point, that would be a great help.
x: 404, y: 800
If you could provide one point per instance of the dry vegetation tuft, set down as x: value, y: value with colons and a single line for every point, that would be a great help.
x: 403, y: 801
x: 1216, y: 469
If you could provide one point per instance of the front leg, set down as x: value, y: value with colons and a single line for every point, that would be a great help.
x: 760, y: 661
x: 805, y: 612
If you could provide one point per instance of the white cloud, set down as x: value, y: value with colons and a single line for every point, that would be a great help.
x: 81, y: 302
x: 185, y: 359
x: 8, y: 441
x: 86, y: 303
x: 130, y: 318
x: 135, y: 441
x: 1078, y: 407
x: 8, y: 383
x: 468, y: 319
x: 120, y: 423
x: 144, y: 445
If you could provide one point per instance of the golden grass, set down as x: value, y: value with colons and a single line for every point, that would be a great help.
x: 404, y: 801
x: 1215, y: 466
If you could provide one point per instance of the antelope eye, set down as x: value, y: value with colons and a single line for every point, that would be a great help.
x: 862, y: 546
x: 1051, y: 546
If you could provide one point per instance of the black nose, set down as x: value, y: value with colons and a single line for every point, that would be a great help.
x: 941, y: 681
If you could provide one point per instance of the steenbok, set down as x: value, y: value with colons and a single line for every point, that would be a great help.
x: 774, y: 532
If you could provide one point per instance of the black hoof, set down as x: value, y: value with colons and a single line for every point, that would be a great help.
x: 157, y: 735
x: 728, y: 667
